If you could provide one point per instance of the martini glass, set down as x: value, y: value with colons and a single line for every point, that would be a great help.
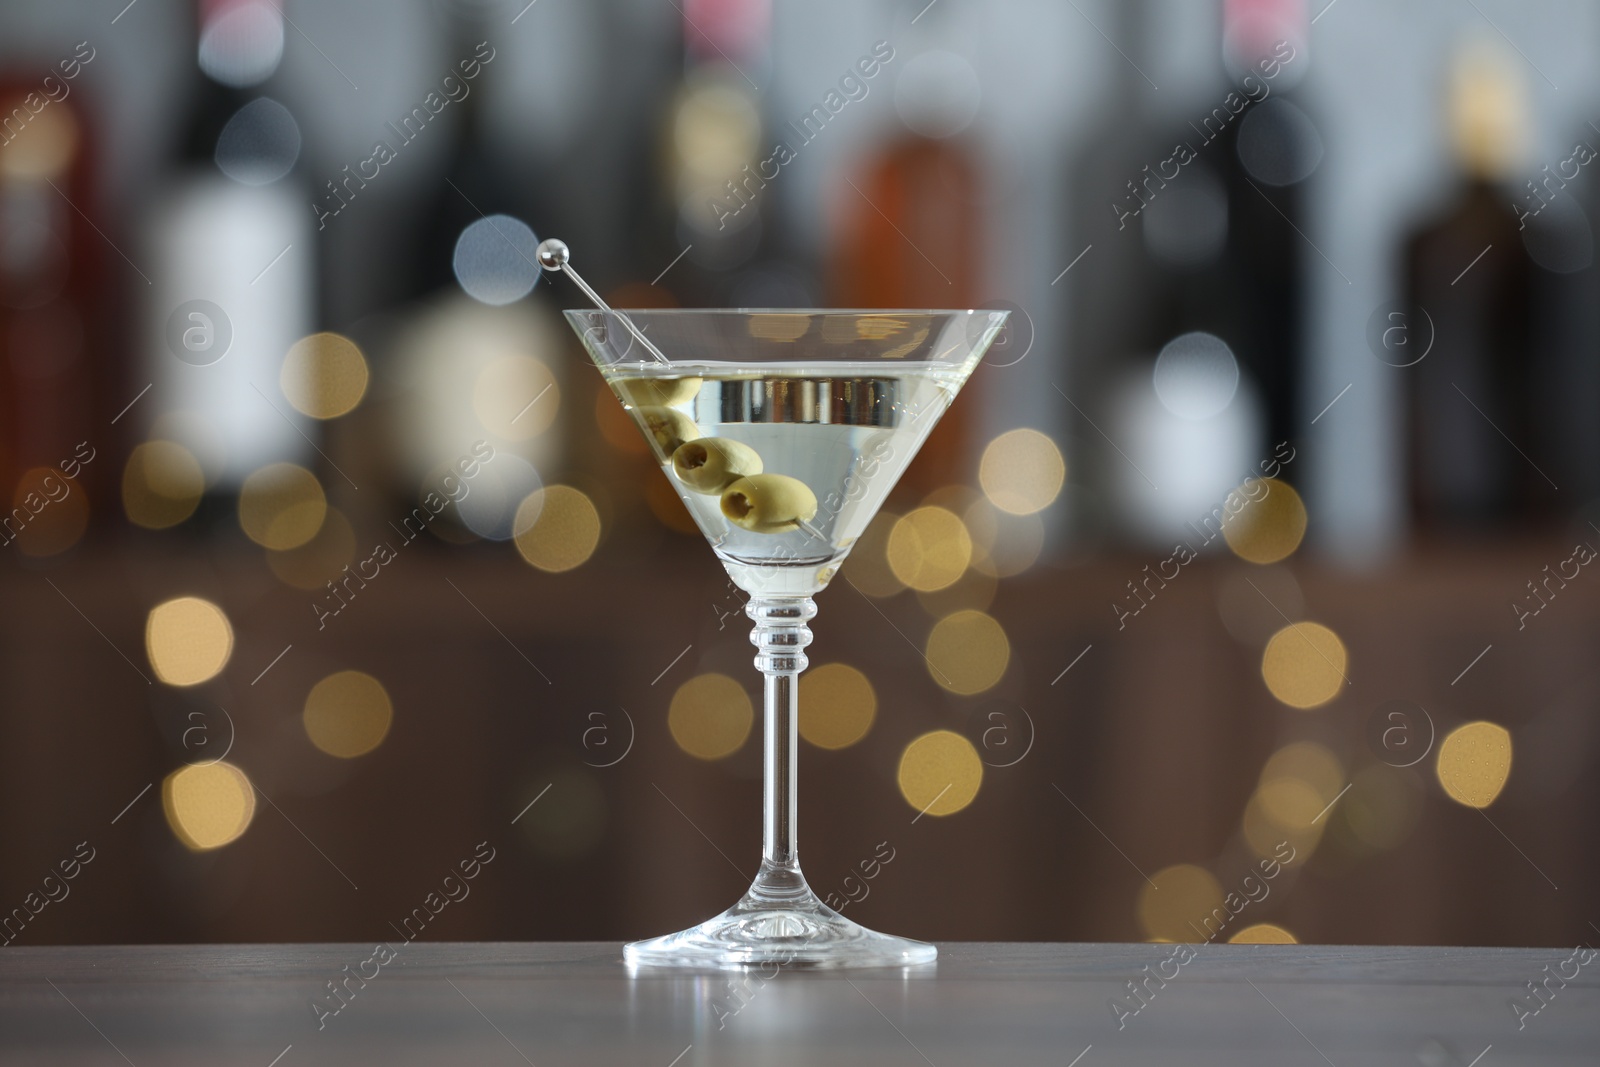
x: 783, y: 431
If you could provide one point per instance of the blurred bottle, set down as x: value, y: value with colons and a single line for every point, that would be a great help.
x: 231, y: 256
x: 712, y: 209
x: 472, y: 360
x: 1187, y: 314
x: 910, y: 229
x: 1469, y: 276
x: 53, y: 386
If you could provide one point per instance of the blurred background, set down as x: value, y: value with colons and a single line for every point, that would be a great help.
x: 1263, y: 531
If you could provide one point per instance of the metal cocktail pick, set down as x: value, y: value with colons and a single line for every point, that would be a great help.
x: 554, y: 255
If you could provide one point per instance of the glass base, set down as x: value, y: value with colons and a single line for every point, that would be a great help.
x: 791, y: 928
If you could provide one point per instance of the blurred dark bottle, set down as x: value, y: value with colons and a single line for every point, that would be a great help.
x: 710, y: 217
x: 55, y: 381
x: 471, y: 360
x: 909, y: 229
x: 1470, y: 279
x: 231, y: 252
x: 1190, y: 222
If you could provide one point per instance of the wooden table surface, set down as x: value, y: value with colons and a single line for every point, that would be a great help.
x: 574, y: 1003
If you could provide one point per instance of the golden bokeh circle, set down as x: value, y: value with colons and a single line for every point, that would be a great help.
x: 324, y: 375
x: 319, y: 561
x: 1022, y: 471
x: 1474, y: 763
x: 348, y: 714
x: 188, y: 640
x: 56, y: 511
x: 208, y: 805
x: 1280, y: 813
x: 1263, y: 934
x: 929, y: 548
x: 1266, y: 521
x: 710, y: 716
x: 868, y: 568
x: 837, y: 705
x: 968, y: 652
x: 1308, y: 762
x: 558, y: 528
x: 1304, y: 665
x: 1176, y: 902
x: 281, y: 506
x: 940, y: 773
x: 161, y: 484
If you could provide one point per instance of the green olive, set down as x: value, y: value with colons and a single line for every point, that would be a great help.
x: 769, y: 503
x: 665, y: 392
x: 711, y: 464
x: 669, y: 427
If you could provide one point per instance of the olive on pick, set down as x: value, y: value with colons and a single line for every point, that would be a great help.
x: 769, y: 503
x: 669, y: 427
x: 710, y: 464
x: 658, y: 391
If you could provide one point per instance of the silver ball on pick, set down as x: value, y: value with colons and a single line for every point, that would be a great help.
x: 553, y: 253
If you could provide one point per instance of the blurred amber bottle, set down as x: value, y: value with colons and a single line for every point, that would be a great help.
x: 909, y: 226
x: 53, y: 374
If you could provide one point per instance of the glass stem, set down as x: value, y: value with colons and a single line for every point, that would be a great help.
x: 780, y: 636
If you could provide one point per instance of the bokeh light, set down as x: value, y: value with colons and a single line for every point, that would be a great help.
x: 1298, y: 784
x: 710, y: 716
x: 1263, y: 934
x: 1268, y: 523
x: 516, y: 397
x: 495, y: 259
x: 940, y: 773
x: 1004, y: 545
x: 317, y: 562
x: 208, y: 805
x: 1022, y: 471
x: 281, y: 506
x: 929, y: 548
x: 324, y: 375
x: 837, y: 705
x: 1176, y: 906
x: 558, y: 528
x: 1304, y: 665
x: 1308, y: 762
x: 1474, y: 763
x: 1196, y: 376
x: 968, y: 652
x: 56, y: 509
x: 868, y: 566
x: 188, y: 640
x: 161, y: 484
x: 348, y: 714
